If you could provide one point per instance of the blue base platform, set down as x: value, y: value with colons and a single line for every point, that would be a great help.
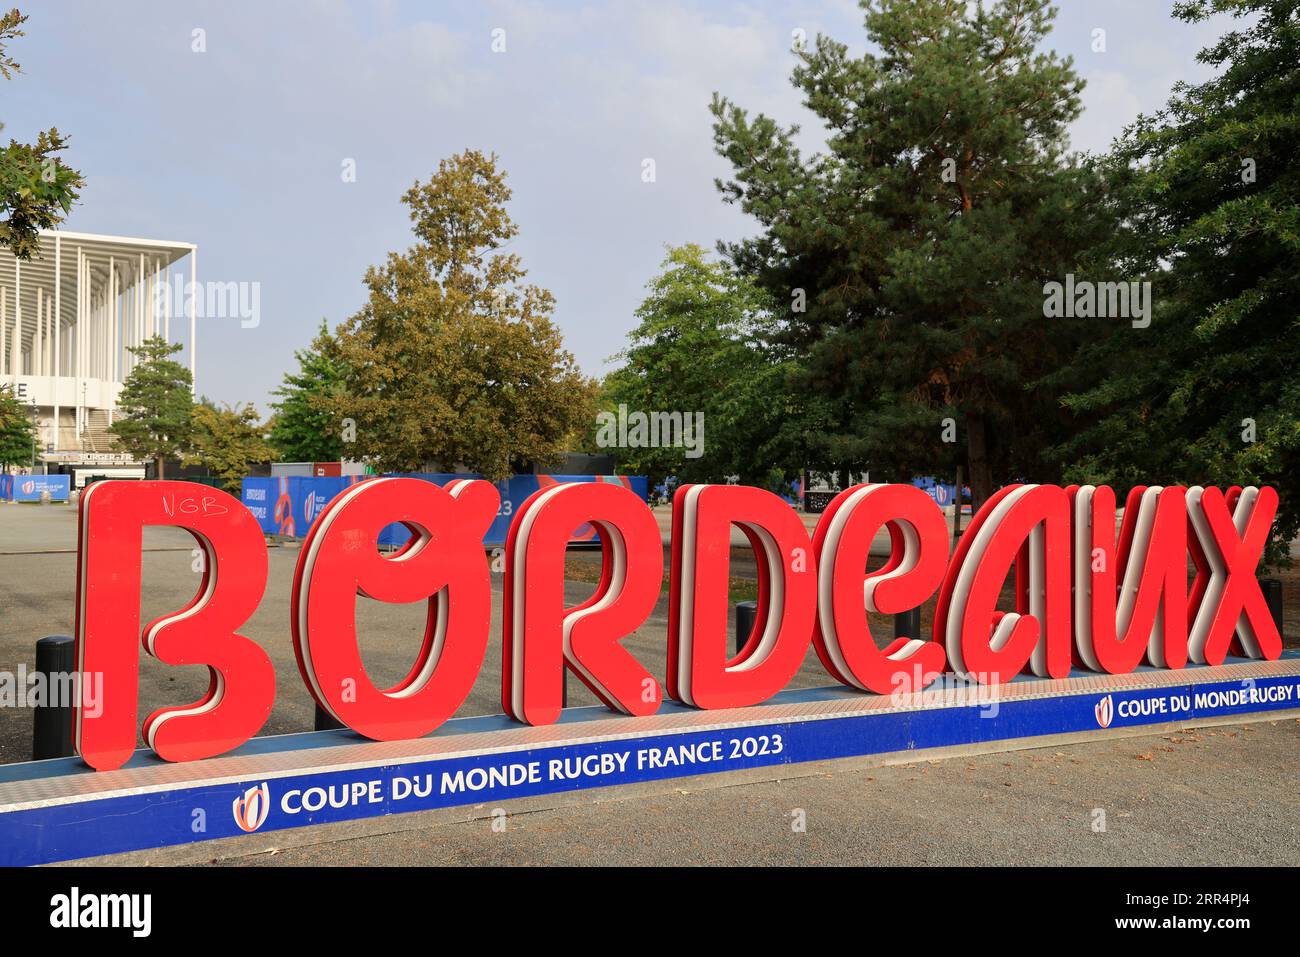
x: 60, y: 810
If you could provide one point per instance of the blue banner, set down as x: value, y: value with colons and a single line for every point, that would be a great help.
x: 943, y: 493
x: 287, y: 505
x: 28, y: 488
x: 63, y: 830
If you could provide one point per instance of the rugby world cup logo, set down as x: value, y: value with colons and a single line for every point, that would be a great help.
x: 29, y: 487
x: 252, y: 806
x: 312, y: 506
x: 1105, y: 711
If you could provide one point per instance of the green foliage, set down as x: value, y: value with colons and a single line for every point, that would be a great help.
x: 36, y: 190
x: 922, y: 238
x: 1210, y: 188
x: 227, y: 441
x: 154, y: 409
x: 16, y: 430
x: 454, y: 360
x: 302, y: 429
x: 702, y: 350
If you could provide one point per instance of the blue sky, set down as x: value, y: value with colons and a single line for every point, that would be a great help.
x: 240, y: 148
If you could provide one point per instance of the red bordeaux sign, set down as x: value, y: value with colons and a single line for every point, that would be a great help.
x: 1084, y: 597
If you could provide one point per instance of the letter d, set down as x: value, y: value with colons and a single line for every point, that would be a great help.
x: 700, y: 672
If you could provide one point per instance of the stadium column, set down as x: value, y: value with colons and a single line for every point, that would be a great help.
x: 167, y: 301
x: 18, y: 313
x: 38, y: 367
x: 140, y: 334
x: 79, y: 358
x: 58, y: 321
x: 112, y: 319
x: 194, y: 342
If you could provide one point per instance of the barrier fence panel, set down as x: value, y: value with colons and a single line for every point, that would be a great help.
x: 288, y: 505
x: 30, y: 488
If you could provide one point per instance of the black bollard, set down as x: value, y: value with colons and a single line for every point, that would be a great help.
x: 907, y: 624
x: 1272, y: 589
x: 52, y: 735
x: 326, y: 721
x: 746, y: 614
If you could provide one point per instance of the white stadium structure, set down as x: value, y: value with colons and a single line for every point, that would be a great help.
x: 68, y: 317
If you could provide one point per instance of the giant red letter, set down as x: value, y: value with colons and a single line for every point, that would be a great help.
x: 443, y: 562
x: 112, y: 516
x: 1030, y: 526
x: 542, y: 636
x: 1148, y: 614
x: 919, y: 552
x: 700, y: 672
x: 1233, y: 544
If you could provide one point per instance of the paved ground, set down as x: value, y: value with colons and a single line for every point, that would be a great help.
x: 1221, y: 795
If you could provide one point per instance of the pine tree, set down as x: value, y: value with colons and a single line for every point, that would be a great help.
x: 153, y: 411
x: 912, y: 254
x: 1208, y: 394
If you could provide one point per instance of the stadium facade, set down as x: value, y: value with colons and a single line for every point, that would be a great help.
x: 68, y: 318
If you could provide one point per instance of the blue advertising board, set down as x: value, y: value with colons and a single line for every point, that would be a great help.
x: 943, y: 493
x: 287, y: 505
x: 482, y: 760
x: 28, y: 488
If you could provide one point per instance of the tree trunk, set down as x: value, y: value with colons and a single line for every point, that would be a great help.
x: 981, y: 474
x: 161, y: 462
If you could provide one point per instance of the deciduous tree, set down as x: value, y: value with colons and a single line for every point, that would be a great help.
x: 702, y: 359
x: 454, y: 360
x: 303, y: 430
x: 36, y: 189
x: 228, y: 441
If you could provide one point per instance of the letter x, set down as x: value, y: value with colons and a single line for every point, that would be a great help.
x: 1233, y: 602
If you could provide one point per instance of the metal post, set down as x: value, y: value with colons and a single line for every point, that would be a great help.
x: 746, y: 615
x: 1272, y: 589
x: 907, y: 624
x: 52, y: 734
x: 326, y: 721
